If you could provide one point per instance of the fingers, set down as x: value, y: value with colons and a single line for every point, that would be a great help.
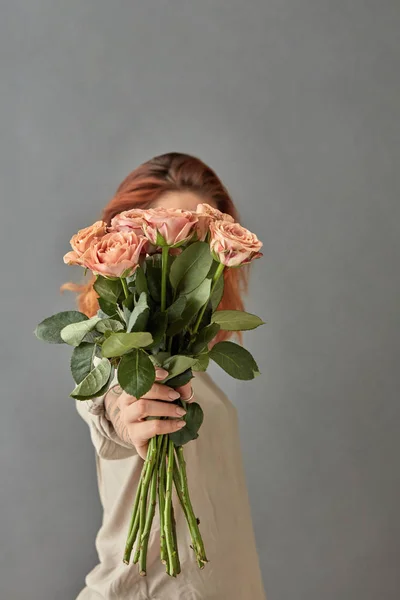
x: 144, y: 407
x: 185, y: 392
x: 161, y: 373
x: 142, y: 432
x: 161, y: 391
x: 158, y: 391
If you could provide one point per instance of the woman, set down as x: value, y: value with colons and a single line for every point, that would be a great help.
x: 120, y: 435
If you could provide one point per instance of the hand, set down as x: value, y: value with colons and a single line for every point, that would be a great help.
x: 127, y: 413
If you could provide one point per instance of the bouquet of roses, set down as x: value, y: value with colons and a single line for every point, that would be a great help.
x: 159, y: 280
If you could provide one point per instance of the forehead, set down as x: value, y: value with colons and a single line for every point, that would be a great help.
x: 182, y: 199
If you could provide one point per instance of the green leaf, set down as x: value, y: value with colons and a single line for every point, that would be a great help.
x: 107, y: 307
x: 128, y: 303
x: 153, y: 276
x: 194, y: 302
x: 103, y: 390
x: 49, y: 329
x: 177, y: 364
x: 140, y: 281
x: 181, y: 379
x: 236, y: 320
x: 94, y: 381
x: 82, y: 361
x: 140, y: 314
x: 175, y: 310
x: 92, y: 337
x: 235, y: 360
x: 97, y: 351
x: 74, y: 333
x: 202, y: 362
x: 121, y: 343
x: 213, y: 268
x: 100, y: 313
x: 191, y: 267
x: 204, y: 337
x: 108, y: 289
x: 206, y: 319
x: 136, y: 373
x: 194, y: 418
x: 159, y: 358
x: 108, y: 324
x: 157, y: 327
x: 217, y: 293
x: 176, y: 327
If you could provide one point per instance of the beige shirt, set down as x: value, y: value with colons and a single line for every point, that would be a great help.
x: 220, y: 500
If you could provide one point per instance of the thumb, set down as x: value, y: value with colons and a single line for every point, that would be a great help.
x: 142, y: 449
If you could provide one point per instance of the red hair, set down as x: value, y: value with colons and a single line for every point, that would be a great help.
x: 174, y: 172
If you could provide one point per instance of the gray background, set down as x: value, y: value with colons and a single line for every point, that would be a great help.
x: 296, y: 106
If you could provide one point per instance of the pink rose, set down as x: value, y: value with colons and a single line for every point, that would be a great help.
x: 206, y: 214
x: 217, y: 215
x: 81, y: 241
x: 176, y: 226
x: 233, y: 245
x: 132, y: 220
x: 116, y: 254
x: 129, y: 220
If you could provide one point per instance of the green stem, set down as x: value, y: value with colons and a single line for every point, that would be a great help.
x: 172, y: 556
x: 164, y: 272
x: 149, y: 464
x: 169, y: 344
x: 150, y: 512
x: 177, y: 481
x: 125, y: 286
x: 198, y: 545
x: 161, y: 498
x: 217, y: 275
x: 178, y: 564
x: 133, y: 526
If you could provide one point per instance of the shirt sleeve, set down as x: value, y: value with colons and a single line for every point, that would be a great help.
x: 107, y: 443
